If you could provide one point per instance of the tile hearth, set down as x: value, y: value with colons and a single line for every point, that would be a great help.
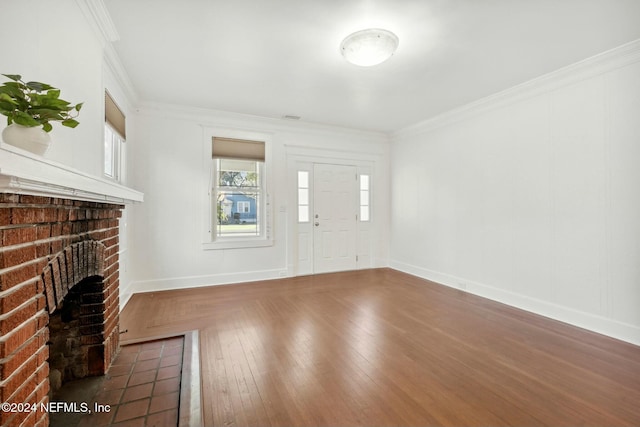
x: 141, y: 388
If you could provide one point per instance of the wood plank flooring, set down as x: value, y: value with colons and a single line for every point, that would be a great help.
x: 380, y: 347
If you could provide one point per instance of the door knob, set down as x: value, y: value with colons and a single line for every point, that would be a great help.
x: 317, y: 224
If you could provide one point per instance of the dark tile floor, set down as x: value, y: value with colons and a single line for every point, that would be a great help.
x: 141, y: 388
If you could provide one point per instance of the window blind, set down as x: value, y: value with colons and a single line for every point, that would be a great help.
x: 240, y: 149
x: 114, y: 116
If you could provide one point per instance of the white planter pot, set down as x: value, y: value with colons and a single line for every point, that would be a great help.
x: 32, y: 139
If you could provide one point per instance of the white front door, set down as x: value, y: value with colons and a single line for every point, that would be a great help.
x: 334, y: 217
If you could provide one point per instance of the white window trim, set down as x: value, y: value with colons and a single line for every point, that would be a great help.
x: 368, y: 204
x: 309, y: 195
x: 209, y: 205
x: 118, y: 148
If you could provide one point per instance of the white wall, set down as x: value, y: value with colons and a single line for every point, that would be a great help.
x: 171, y: 170
x: 61, y: 44
x: 531, y: 197
x: 54, y: 43
x: 124, y: 99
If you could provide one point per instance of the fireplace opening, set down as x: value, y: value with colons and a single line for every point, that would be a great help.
x: 76, y: 334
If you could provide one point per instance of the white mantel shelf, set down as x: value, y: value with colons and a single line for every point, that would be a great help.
x: 24, y: 173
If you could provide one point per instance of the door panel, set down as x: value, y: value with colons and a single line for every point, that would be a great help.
x: 335, y: 223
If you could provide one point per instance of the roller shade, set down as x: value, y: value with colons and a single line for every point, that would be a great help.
x: 241, y: 149
x: 114, y: 116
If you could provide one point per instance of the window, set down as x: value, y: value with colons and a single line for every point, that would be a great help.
x: 114, y: 140
x: 238, y: 193
x: 364, y: 198
x: 244, y: 207
x: 303, y: 196
x: 113, y: 154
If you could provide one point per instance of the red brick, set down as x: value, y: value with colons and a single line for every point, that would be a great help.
x: 42, y: 392
x: 40, y: 286
x: 43, y: 232
x: 71, y: 271
x: 71, y: 224
x: 56, y: 230
x: 41, y: 264
x: 16, y: 236
x: 17, y: 316
x: 12, y: 257
x: 9, y: 198
x: 43, y: 249
x: 27, y: 215
x: 30, y: 420
x: 6, y: 418
x: 49, y: 289
x: 43, y: 333
x: 5, y: 216
x: 18, y: 296
x: 50, y: 215
x: 9, y: 343
x: 64, y: 274
x: 66, y: 228
x: 42, y: 319
x: 22, y: 393
x: 63, y: 214
x: 57, y: 281
x: 41, y: 302
x: 43, y: 421
x: 15, y: 276
x: 80, y: 227
x: 42, y: 371
x: 14, y: 361
x: 25, y: 374
x: 35, y: 200
x: 56, y: 246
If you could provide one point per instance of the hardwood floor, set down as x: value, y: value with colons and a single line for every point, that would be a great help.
x: 379, y: 347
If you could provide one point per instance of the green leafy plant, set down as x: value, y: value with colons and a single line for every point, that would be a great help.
x: 35, y: 104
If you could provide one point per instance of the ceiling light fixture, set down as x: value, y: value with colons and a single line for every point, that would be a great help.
x: 369, y: 47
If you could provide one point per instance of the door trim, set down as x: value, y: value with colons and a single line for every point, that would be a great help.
x: 365, y: 234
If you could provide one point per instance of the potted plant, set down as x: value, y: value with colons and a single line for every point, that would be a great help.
x: 30, y: 108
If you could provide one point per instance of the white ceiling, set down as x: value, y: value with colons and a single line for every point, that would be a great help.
x: 281, y: 57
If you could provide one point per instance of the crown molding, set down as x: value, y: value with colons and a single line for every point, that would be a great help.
x: 607, y: 61
x: 97, y: 14
x: 117, y: 70
x: 98, y: 17
x: 211, y: 118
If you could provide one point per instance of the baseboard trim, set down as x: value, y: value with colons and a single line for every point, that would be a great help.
x: 174, y: 283
x: 602, y: 325
x: 124, y: 294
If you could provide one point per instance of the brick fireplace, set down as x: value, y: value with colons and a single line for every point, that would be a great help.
x: 50, y: 246
x: 59, y: 256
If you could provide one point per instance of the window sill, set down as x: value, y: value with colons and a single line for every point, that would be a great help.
x: 237, y: 244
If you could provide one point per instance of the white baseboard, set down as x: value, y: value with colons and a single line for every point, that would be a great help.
x: 156, y: 285
x: 591, y: 322
x: 124, y: 294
